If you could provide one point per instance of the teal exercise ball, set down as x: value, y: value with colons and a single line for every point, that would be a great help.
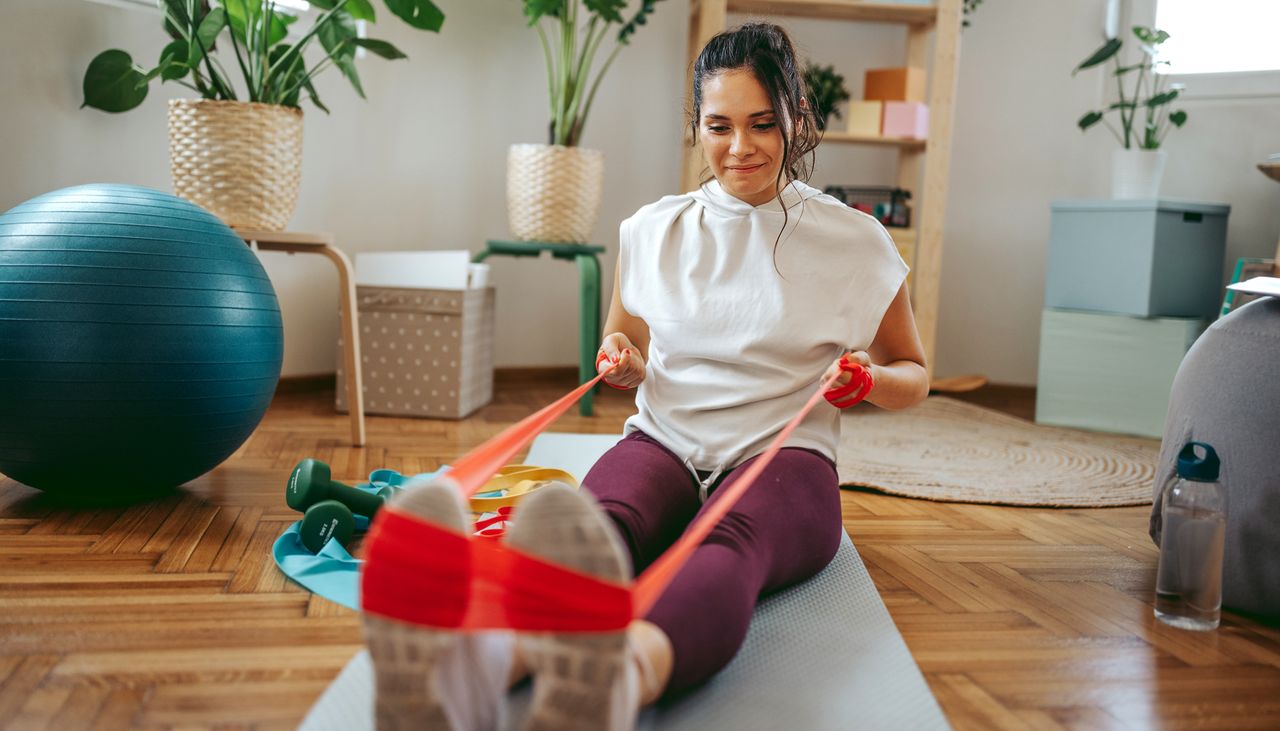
x: 140, y: 342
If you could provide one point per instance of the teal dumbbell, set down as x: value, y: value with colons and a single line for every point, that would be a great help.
x: 310, y: 483
x: 324, y: 520
x: 329, y: 506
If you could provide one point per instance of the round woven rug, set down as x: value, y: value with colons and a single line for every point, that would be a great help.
x: 948, y: 450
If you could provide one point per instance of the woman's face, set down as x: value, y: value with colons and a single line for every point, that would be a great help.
x: 741, y: 136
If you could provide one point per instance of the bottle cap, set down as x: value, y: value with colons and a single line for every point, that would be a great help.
x: 1193, y: 467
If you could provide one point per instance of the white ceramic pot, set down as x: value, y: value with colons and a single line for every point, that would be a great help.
x: 553, y: 192
x: 1137, y: 173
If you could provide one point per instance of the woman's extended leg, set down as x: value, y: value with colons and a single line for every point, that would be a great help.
x: 583, y: 681
x: 647, y: 492
x: 649, y: 496
x: 784, y: 530
x: 436, y: 677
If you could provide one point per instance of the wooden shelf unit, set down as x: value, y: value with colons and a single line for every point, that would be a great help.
x: 843, y: 138
x: 940, y: 22
x: 852, y: 10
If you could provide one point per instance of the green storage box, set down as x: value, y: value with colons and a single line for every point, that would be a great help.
x: 1152, y: 258
x: 1110, y: 373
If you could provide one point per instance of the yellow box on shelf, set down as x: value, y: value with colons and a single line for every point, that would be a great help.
x: 864, y: 118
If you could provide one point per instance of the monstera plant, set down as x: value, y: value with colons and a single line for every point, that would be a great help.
x: 253, y: 37
x: 237, y: 149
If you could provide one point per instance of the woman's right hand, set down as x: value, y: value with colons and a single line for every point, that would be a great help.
x: 617, y: 348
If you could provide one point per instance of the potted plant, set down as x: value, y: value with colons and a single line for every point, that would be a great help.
x: 969, y: 7
x: 553, y: 190
x: 1146, y: 114
x: 238, y: 153
x: 826, y: 90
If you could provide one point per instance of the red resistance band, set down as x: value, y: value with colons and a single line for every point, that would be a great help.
x: 856, y: 389
x: 423, y: 574
x: 602, y: 357
x: 420, y: 573
x: 494, y: 527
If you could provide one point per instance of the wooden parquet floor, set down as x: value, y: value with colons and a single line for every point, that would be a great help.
x: 172, y: 614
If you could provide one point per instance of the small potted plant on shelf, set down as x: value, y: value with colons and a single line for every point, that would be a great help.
x: 553, y: 190
x: 238, y: 152
x: 1145, y: 111
x: 826, y: 91
x: 969, y: 7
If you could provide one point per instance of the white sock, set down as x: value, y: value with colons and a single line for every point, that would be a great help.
x: 626, y: 698
x: 472, y: 680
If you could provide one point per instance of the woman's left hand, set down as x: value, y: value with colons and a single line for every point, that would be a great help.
x: 844, y: 392
x: 859, y: 357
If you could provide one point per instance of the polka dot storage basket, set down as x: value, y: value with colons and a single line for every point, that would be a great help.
x: 424, y: 352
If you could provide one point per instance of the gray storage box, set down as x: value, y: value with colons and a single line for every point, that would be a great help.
x: 1152, y: 258
x: 1110, y: 373
x: 424, y: 352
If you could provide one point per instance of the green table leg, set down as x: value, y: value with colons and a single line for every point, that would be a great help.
x: 589, y: 282
x: 589, y: 325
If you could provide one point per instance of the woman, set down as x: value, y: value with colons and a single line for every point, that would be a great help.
x: 731, y: 304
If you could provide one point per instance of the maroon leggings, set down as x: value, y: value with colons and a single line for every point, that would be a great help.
x: 784, y: 530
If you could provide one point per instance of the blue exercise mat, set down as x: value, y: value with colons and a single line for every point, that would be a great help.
x: 821, y: 656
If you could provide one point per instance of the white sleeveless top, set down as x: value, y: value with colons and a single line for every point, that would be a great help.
x: 738, y: 346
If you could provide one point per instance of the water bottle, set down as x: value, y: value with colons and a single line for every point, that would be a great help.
x: 1194, y: 509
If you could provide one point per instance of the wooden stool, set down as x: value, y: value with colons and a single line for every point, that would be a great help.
x: 314, y: 243
x: 589, y: 286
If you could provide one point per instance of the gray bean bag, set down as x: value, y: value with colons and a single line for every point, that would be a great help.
x: 1227, y: 394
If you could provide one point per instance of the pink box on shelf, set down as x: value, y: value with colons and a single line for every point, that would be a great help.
x: 909, y: 120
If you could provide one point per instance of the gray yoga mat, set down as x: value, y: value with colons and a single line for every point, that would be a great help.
x: 824, y: 655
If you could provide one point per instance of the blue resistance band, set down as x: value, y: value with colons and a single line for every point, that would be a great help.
x: 333, y: 573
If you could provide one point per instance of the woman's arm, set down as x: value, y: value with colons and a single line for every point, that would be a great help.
x: 895, y: 358
x: 626, y: 340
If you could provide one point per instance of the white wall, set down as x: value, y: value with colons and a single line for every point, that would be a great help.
x: 422, y: 163
x: 1017, y: 148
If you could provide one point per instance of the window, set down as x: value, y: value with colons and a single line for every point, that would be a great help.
x: 294, y: 6
x: 1223, y: 49
x: 1219, y: 37
x: 136, y: 4
x: 300, y: 8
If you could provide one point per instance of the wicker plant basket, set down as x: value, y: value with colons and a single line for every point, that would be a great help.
x: 553, y: 192
x: 242, y: 161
